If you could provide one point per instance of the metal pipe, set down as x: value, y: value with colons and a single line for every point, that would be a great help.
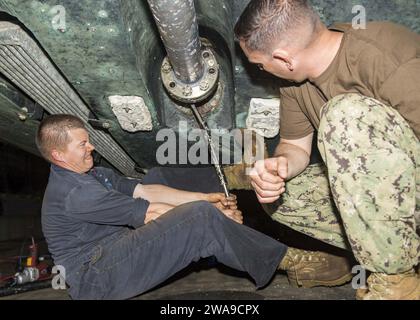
x: 178, y: 27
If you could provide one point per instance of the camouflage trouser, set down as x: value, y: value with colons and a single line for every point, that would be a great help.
x: 364, y: 196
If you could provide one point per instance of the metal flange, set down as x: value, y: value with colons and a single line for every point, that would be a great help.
x: 192, y: 92
x: 209, y: 106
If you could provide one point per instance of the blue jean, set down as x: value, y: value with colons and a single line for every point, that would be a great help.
x: 135, y: 261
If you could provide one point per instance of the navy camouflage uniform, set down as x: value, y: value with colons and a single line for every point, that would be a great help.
x: 366, y: 195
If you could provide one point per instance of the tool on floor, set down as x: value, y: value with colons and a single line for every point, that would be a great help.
x: 214, y: 157
x: 35, y: 269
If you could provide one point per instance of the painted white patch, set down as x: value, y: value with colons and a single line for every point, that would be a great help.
x: 264, y: 117
x: 102, y: 14
x: 132, y: 113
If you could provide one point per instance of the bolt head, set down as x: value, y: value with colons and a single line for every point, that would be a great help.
x: 166, y: 67
x: 204, y: 85
x: 187, y: 91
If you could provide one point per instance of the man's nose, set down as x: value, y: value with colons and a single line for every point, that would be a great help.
x: 90, y: 147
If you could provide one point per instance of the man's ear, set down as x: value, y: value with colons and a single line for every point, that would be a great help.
x: 283, y: 57
x: 57, y: 155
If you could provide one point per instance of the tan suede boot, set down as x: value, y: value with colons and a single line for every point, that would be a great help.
x: 381, y: 286
x: 237, y: 175
x: 315, y: 268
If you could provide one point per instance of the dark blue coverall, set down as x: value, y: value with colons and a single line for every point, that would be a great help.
x: 95, y: 229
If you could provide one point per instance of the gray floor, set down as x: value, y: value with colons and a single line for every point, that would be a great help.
x: 198, y: 283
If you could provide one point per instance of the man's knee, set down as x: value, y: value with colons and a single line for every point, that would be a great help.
x: 153, y: 176
x: 344, y: 105
x: 156, y: 171
x: 351, y: 117
x: 202, y: 208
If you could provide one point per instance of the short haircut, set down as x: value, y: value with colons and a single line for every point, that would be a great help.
x: 265, y: 21
x: 53, y: 133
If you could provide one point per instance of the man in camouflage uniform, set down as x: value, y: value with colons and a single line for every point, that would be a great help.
x: 359, y: 90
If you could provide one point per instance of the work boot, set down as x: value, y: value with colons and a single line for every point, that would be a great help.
x: 236, y: 177
x: 315, y: 268
x: 381, y: 286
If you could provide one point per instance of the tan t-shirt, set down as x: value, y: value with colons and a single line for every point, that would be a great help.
x: 381, y: 61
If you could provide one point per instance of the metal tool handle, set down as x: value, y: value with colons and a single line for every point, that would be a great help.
x: 212, y: 151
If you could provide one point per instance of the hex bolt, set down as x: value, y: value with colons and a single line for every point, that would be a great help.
x: 106, y: 125
x: 211, y: 63
x: 166, y: 67
x: 187, y: 91
x: 204, y: 85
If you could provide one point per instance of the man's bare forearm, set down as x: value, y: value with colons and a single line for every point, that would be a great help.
x: 163, y: 194
x: 298, y: 159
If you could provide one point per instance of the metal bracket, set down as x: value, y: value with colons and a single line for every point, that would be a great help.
x: 192, y: 92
